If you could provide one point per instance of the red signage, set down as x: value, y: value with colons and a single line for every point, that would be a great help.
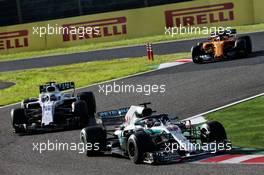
x: 12, y: 40
x: 107, y: 27
x: 200, y: 15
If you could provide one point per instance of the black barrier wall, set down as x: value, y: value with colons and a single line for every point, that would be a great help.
x: 25, y: 11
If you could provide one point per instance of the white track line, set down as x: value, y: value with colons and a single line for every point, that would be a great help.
x: 174, y: 63
x: 225, y: 106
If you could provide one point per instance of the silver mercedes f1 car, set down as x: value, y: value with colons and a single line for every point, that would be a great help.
x: 144, y: 136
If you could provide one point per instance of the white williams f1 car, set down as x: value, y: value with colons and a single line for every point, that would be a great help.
x: 54, y: 110
x: 151, y: 138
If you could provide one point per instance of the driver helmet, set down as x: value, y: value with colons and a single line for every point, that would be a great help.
x: 150, y: 122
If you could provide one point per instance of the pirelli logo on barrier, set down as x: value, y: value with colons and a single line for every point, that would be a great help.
x: 107, y: 27
x: 13, y: 40
x: 200, y: 15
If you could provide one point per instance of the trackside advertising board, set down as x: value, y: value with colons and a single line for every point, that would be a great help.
x: 127, y: 24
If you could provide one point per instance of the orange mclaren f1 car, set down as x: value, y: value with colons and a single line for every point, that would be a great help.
x: 222, y: 46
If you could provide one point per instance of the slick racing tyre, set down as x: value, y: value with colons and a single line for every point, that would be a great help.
x: 248, y: 43
x: 81, y: 111
x: 243, y: 46
x: 196, y: 52
x: 213, y: 131
x: 94, y: 138
x: 18, y: 118
x: 26, y: 101
x: 89, y: 98
x: 138, y: 144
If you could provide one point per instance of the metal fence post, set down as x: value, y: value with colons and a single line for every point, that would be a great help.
x: 80, y: 7
x: 145, y: 3
x: 19, y: 14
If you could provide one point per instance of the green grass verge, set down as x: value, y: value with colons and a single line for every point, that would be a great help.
x: 244, y: 123
x: 94, y: 46
x: 27, y: 81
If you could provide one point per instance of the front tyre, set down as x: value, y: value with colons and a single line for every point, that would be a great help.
x: 213, y: 131
x: 138, y: 144
x: 94, y: 138
x: 18, y: 118
x: 196, y: 53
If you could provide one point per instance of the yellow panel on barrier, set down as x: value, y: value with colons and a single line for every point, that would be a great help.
x: 19, y: 38
x: 258, y: 11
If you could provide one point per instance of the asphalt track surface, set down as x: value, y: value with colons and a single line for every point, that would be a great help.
x: 190, y: 89
x: 4, y: 85
x: 107, y: 54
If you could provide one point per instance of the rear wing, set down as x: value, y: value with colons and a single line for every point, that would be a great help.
x: 113, y: 117
x: 60, y: 86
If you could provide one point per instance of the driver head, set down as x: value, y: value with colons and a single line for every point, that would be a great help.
x: 51, y: 89
x: 147, y: 112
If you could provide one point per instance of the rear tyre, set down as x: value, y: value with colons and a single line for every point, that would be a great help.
x: 243, y: 46
x: 18, y: 118
x: 213, y: 131
x: 26, y: 101
x: 196, y: 52
x: 89, y: 98
x: 138, y: 144
x: 94, y: 138
x: 248, y: 43
x: 81, y: 111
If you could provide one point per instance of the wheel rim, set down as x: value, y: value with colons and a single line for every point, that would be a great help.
x: 83, y: 139
x: 204, y: 135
